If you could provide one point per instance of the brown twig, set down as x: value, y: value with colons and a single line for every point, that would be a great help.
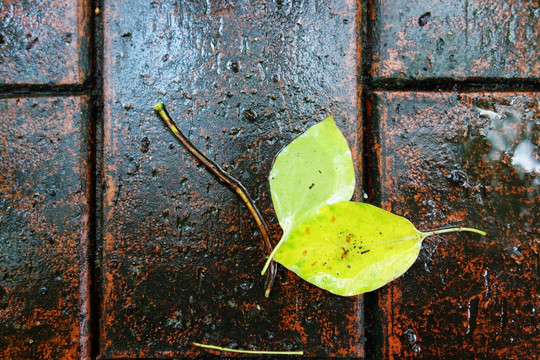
x: 227, y: 179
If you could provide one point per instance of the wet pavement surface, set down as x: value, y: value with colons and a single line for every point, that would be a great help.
x: 455, y: 39
x: 44, y: 226
x: 449, y: 159
x: 44, y: 42
x: 116, y: 243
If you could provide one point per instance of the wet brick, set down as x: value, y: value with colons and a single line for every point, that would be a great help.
x: 43, y: 228
x: 455, y: 39
x: 181, y: 254
x: 44, y: 42
x: 466, y: 294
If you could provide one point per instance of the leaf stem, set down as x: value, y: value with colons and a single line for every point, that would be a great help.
x: 450, y: 230
x: 227, y: 179
x: 271, y: 256
x: 219, y: 348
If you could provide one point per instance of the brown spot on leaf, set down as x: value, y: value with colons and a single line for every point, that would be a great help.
x: 333, y: 219
x: 304, y: 253
x: 308, y: 231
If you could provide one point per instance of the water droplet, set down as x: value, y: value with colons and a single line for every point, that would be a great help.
x: 246, y: 286
x: 524, y: 157
x: 250, y: 115
x: 145, y: 144
x: 459, y: 177
x: 424, y: 19
x: 410, y: 335
x: 113, y: 263
x: 486, y: 283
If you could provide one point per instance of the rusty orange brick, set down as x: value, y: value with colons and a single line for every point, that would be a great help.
x: 44, y: 42
x: 44, y: 278
x: 181, y: 254
x: 461, y: 159
x: 455, y: 39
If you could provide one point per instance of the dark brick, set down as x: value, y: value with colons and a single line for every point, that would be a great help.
x: 44, y: 41
x: 465, y: 294
x: 455, y: 39
x: 43, y: 228
x: 181, y: 254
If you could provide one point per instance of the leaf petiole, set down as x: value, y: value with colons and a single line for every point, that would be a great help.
x: 271, y: 256
x: 219, y: 348
x: 451, y: 230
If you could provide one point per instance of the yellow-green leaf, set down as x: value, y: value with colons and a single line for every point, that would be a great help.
x: 344, y: 247
x: 314, y: 170
x: 350, y: 248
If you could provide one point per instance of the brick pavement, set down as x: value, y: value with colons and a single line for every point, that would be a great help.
x: 116, y: 243
x: 44, y: 228
x: 44, y: 42
x: 240, y: 92
x: 450, y: 159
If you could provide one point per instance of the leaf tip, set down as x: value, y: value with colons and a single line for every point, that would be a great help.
x: 158, y: 107
x: 329, y: 119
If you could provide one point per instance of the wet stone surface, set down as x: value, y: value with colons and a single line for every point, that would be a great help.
x: 43, y: 226
x: 455, y: 39
x: 452, y: 159
x: 181, y: 254
x: 43, y: 42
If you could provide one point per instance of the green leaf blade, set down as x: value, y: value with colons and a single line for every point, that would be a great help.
x: 350, y: 248
x: 314, y: 170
